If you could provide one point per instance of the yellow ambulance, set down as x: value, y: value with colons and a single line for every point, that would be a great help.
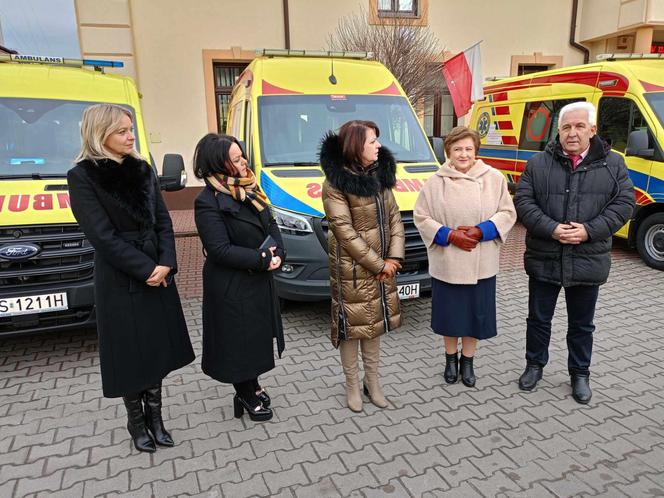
x: 281, y: 107
x: 46, y: 264
x: 520, y: 115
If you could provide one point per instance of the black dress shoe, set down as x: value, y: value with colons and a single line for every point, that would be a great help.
x: 257, y: 413
x: 529, y: 378
x: 581, y: 388
x: 467, y: 371
x: 451, y: 368
x: 264, y: 398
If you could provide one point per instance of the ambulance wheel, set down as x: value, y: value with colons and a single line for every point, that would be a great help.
x: 650, y: 240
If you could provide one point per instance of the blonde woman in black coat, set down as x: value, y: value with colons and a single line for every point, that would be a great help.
x: 142, y: 332
x: 241, y: 316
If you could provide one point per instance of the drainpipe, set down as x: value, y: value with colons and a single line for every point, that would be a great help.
x: 286, y: 25
x: 572, y: 33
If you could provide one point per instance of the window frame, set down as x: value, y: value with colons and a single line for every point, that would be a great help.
x: 395, y: 12
x: 220, y: 91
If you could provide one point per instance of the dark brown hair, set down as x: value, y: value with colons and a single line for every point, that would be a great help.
x: 352, y: 136
x: 459, y: 133
x: 212, y: 155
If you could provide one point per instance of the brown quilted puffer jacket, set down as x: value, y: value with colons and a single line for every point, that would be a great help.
x: 365, y: 229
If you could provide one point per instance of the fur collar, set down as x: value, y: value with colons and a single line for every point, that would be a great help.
x: 129, y: 184
x: 381, y: 176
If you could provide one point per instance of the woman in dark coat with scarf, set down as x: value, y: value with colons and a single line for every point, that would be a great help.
x: 142, y: 332
x: 241, y: 315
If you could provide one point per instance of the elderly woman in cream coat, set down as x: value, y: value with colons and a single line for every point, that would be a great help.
x: 464, y: 213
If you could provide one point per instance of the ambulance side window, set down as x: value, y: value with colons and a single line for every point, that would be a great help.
x: 540, y: 123
x: 617, y: 118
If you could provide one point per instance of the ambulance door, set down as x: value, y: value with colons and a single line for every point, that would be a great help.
x: 617, y: 117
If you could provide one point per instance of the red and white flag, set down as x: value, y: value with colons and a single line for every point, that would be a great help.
x: 463, y: 74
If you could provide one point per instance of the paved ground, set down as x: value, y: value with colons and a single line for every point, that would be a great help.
x: 59, y: 437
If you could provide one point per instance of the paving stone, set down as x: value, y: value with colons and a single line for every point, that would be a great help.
x: 139, y: 476
x: 277, y: 481
x: 325, y: 488
x: 51, y: 482
x: 66, y: 462
x: 209, y: 480
x: 187, y: 484
x: 254, y: 486
x: 349, y: 483
x: 324, y: 468
x: 425, y: 482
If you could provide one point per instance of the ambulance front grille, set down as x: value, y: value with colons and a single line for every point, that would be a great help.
x: 65, y: 256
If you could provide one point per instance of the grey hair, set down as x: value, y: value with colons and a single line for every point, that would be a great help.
x: 579, y: 106
x: 98, y: 123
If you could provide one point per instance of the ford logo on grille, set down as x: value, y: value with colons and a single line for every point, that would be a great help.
x: 19, y: 251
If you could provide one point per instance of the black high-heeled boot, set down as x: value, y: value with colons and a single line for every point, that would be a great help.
x: 136, y: 424
x: 153, y: 419
x: 451, y: 368
x: 467, y: 371
x: 257, y: 413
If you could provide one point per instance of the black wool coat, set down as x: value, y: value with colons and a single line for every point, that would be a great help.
x: 142, y: 331
x: 241, y: 314
x: 598, y: 193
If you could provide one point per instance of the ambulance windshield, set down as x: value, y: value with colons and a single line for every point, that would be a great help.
x: 39, y: 138
x: 656, y: 101
x: 292, y: 126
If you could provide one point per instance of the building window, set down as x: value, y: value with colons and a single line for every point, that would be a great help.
x: 439, y: 117
x: 532, y: 68
x: 225, y: 76
x: 393, y: 8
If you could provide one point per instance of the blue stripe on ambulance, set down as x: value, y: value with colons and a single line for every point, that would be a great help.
x: 280, y: 198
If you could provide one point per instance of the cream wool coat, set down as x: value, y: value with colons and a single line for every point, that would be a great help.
x: 451, y: 198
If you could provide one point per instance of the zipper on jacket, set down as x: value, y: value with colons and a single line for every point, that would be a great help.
x: 381, y: 231
x: 354, y: 276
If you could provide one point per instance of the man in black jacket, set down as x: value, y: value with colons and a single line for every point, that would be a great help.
x: 571, y: 198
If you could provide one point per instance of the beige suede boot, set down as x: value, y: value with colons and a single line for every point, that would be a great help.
x: 370, y: 357
x: 348, y: 350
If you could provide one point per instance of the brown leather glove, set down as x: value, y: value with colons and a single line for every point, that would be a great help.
x: 472, y: 232
x: 460, y: 239
x: 391, y: 267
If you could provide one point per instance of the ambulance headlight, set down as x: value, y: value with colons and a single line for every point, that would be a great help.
x: 290, y: 222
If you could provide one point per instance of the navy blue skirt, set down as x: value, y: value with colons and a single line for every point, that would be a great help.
x: 464, y: 310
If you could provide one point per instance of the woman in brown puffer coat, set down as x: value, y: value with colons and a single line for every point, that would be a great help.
x: 366, y: 246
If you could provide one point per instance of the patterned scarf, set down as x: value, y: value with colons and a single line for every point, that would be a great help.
x: 242, y: 189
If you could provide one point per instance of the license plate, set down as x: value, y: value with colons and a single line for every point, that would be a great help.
x: 25, y: 305
x: 408, y: 291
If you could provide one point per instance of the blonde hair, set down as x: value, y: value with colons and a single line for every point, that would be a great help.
x: 98, y: 123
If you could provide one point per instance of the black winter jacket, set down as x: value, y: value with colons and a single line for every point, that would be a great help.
x: 598, y: 194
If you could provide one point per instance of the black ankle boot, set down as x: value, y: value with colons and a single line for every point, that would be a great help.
x: 153, y: 420
x: 136, y: 424
x: 467, y: 371
x: 581, y: 387
x: 530, y: 376
x: 451, y: 368
x: 257, y: 413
